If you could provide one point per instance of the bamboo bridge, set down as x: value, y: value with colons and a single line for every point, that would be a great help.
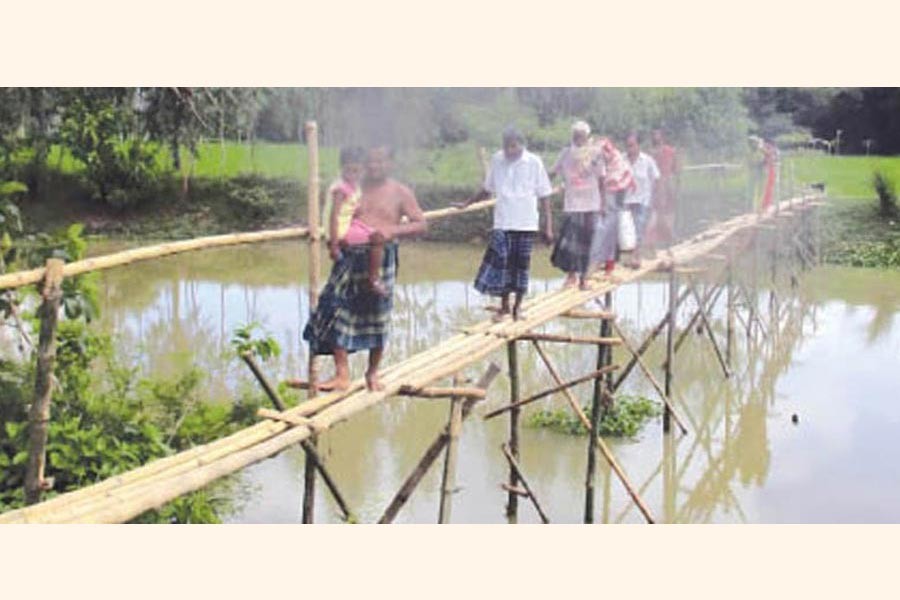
x: 712, y: 253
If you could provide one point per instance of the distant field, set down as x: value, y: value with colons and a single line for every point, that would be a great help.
x: 845, y: 176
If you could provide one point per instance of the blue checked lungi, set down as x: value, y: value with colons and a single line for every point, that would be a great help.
x: 349, y: 314
x: 504, y: 268
x: 572, y: 251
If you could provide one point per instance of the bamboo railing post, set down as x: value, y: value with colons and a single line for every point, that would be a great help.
x: 314, y: 223
x: 39, y: 415
x: 448, y: 479
x: 670, y: 339
x: 512, y: 499
x: 603, y: 359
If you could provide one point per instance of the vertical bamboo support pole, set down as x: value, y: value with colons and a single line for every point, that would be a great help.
x: 312, y: 202
x: 670, y: 342
x: 603, y: 359
x: 670, y: 479
x: 729, y: 318
x: 39, y: 415
x: 817, y: 234
x: 754, y: 289
x: 448, y: 480
x: 512, y: 499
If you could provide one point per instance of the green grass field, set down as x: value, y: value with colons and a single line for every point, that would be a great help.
x: 458, y: 165
x: 845, y: 176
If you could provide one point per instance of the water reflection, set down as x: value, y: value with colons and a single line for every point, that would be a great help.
x: 742, y: 461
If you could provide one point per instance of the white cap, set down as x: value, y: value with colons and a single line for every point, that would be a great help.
x: 582, y: 127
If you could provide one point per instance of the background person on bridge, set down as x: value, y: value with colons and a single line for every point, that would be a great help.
x: 582, y: 170
x: 669, y: 164
x: 640, y: 199
x: 517, y: 179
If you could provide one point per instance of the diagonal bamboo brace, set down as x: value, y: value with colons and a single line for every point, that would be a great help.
x: 528, y: 491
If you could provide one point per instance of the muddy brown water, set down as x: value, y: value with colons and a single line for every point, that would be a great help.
x: 834, y: 363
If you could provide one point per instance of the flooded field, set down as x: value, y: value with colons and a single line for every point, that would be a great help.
x: 831, y: 356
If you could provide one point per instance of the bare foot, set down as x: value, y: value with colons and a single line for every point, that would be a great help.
x: 519, y: 314
x: 584, y: 285
x: 500, y: 315
x: 571, y: 281
x: 335, y: 384
x: 372, y: 382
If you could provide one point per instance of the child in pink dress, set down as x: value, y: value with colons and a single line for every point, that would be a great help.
x: 345, y: 227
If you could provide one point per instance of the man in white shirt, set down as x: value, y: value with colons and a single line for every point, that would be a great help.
x: 640, y: 199
x: 517, y: 179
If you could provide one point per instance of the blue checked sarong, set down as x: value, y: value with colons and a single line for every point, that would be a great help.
x: 349, y: 315
x: 504, y: 268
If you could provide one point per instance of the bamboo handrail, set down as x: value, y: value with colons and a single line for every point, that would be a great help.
x: 116, y: 259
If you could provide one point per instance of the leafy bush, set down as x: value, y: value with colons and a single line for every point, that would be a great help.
x: 625, y: 418
x: 887, y: 198
x: 119, y: 167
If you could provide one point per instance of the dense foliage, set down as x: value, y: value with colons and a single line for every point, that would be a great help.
x: 105, y: 417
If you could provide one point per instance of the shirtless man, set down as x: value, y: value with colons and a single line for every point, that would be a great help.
x: 350, y: 315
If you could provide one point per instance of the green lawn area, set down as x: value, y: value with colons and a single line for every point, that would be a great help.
x: 845, y: 176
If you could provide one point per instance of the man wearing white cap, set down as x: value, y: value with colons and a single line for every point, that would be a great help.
x: 582, y: 170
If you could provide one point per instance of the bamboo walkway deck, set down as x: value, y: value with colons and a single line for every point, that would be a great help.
x: 123, y: 497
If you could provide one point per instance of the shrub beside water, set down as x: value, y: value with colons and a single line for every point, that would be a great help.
x: 887, y: 198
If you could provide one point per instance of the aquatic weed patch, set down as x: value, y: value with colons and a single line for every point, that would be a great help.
x: 625, y: 418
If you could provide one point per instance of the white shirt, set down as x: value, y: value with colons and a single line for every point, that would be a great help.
x: 517, y: 185
x: 645, y: 173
